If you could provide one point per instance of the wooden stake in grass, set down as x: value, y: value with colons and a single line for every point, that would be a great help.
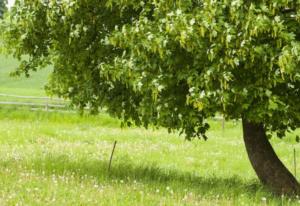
x: 295, y: 164
x: 223, y: 125
x: 111, y: 156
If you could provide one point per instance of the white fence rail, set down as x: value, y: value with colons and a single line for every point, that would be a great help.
x: 30, y: 97
x: 44, y: 102
x: 58, y: 104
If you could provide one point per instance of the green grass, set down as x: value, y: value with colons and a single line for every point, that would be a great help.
x: 62, y: 159
x: 21, y: 85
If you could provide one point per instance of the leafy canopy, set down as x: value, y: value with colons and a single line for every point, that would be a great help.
x: 2, y: 7
x: 167, y: 63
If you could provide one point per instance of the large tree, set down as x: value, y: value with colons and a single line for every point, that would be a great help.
x: 172, y: 64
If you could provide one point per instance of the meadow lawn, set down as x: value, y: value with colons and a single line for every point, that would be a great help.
x: 61, y: 158
x: 33, y: 86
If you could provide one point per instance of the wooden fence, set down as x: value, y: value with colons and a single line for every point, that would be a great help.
x: 32, y: 101
x: 53, y: 103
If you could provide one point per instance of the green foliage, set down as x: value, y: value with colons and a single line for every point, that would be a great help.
x: 2, y: 7
x: 167, y: 63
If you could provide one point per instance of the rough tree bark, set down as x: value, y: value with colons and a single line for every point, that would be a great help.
x: 269, y: 169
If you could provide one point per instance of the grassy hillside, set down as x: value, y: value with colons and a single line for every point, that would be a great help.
x: 62, y: 159
x: 21, y: 85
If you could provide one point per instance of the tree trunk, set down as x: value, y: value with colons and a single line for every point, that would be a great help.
x: 269, y: 169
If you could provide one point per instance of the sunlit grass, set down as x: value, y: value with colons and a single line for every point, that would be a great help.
x: 21, y: 85
x: 62, y: 159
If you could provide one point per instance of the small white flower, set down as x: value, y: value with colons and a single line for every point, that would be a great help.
x: 160, y: 88
x: 277, y: 18
x: 178, y: 12
x: 140, y: 84
x: 192, y: 21
x: 170, y: 14
x: 150, y: 37
x: 191, y: 89
x: 202, y: 94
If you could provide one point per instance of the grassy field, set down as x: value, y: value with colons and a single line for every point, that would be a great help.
x: 62, y: 159
x: 52, y: 158
x: 21, y: 85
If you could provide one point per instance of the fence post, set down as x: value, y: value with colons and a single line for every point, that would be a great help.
x: 47, y: 106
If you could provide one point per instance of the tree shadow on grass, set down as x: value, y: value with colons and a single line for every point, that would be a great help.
x: 149, y: 174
